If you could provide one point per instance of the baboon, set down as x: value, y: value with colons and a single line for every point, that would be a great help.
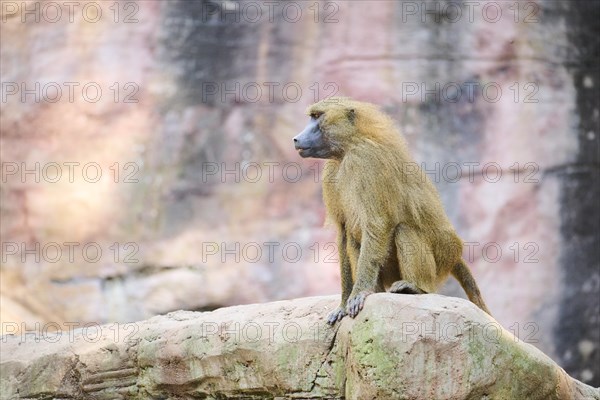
x: 392, y: 229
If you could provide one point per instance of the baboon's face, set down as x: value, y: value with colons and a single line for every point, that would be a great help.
x: 326, y: 133
x: 311, y: 142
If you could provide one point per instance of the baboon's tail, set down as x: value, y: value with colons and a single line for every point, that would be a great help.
x: 463, y: 275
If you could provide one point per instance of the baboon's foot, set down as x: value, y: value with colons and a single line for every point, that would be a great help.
x: 406, y: 288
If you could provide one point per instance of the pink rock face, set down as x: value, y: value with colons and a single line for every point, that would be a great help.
x: 178, y: 186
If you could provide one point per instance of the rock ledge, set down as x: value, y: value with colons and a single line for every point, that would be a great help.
x: 399, y: 347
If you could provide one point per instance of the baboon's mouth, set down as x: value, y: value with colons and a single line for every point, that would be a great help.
x: 302, y: 149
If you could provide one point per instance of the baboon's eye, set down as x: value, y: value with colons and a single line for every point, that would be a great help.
x: 315, y: 115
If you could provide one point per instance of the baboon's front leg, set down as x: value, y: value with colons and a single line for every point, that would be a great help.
x: 346, y: 273
x: 373, y: 252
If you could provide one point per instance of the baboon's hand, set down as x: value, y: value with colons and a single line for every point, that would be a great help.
x: 336, y: 315
x: 356, y: 303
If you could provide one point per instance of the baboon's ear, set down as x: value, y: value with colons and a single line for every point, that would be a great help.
x: 351, y: 115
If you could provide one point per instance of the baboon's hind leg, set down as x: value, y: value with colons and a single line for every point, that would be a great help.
x: 416, y: 264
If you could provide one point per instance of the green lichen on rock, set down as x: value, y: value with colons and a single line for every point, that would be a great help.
x: 371, y: 357
x: 525, y: 360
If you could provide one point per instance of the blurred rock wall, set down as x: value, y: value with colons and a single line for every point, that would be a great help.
x: 147, y: 163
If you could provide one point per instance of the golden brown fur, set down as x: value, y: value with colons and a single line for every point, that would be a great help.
x: 390, y: 220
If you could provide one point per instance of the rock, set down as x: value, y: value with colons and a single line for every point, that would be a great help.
x: 399, y: 347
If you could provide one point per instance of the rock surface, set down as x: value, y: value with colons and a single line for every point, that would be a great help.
x: 399, y: 347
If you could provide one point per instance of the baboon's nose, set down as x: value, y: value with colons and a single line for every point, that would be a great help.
x: 295, y: 140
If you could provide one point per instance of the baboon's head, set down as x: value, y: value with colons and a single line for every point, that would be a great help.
x: 330, y: 130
